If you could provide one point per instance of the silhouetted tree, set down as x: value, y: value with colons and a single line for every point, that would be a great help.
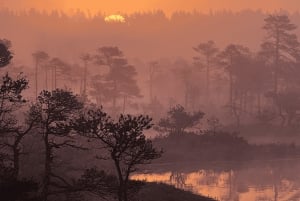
x: 288, y: 103
x: 178, y: 179
x: 230, y: 58
x: 11, y: 100
x: 250, y: 77
x: 119, y: 81
x: 178, y: 119
x: 209, y: 51
x: 185, y: 73
x: 53, y: 113
x: 280, y: 44
x: 258, y: 78
x: 59, y: 68
x: 5, y: 53
x: 86, y: 58
x: 123, y: 139
x: 48, y: 69
x: 153, y: 68
x: 99, y: 91
x: 17, y: 135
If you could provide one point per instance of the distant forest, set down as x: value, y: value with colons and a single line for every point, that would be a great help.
x: 156, y: 34
x: 222, y: 63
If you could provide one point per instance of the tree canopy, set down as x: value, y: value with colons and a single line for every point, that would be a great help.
x: 119, y: 81
x: 5, y: 53
x: 124, y: 140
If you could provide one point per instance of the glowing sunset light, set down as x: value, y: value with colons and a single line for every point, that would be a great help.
x: 115, y: 18
x: 131, y: 6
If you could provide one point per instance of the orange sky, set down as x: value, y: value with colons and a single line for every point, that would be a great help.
x: 128, y: 6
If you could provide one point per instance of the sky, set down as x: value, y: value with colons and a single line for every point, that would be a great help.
x: 169, y: 6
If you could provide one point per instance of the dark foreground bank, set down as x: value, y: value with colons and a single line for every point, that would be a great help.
x: 162, y: 192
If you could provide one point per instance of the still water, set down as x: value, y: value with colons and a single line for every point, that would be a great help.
x: 275, y: 180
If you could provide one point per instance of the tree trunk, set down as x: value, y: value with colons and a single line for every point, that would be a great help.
x: 55, y: 78
x: 36, y: 78
x: 259, y: 103
x: 16, y: 161
x: 114, y: 105
x: 151, y: 88
x: 275, y: 192
x: 291, y: 116
x: 84, y: 79
x: 282, y: 117
x: 121, y: 181
x: 230, y: 184
x: 208, y: 80
x: 16, y: 152
x: 52, y: 78
x: 46, y: 78
x: 125, y: 191
x: 186, y: 96
x: 245, y: 101
x: 114, y: 97
x: 124, y: 103
x: 47, y: 170
x: 230, y: 91
x: 276, y: 64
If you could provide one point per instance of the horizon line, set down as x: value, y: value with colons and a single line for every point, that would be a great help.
x: 87, y: 12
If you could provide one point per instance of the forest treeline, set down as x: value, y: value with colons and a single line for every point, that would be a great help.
x: 237, y: 84
x: 154, y: 32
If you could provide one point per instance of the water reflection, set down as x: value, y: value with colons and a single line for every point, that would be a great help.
x: 258, y: 181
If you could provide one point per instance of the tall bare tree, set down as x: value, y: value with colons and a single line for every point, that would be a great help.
x: 39, y: 57
x: 209, y: 51
x: 86, y: 58
x: 153, y: 68
x: 59, y: 69
x: 280, y: 44
x: 230, y: 58
x: 119, y: 81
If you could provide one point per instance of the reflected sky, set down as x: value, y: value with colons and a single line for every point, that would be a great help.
x: 262, y: 183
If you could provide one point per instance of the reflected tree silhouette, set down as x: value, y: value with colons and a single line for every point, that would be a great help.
x: 178, y: 180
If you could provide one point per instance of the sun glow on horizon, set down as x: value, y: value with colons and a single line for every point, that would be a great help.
x: 95, y: 7
x: 115, y: 18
